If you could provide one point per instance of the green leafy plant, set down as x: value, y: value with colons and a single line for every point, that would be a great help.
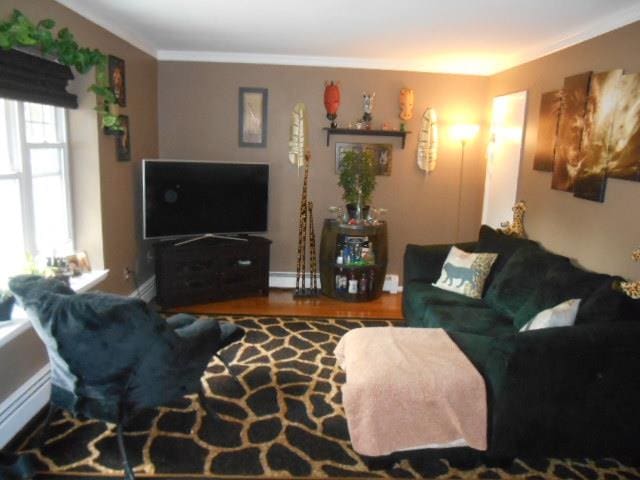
x: 19, y: 31
x: 357, y: 177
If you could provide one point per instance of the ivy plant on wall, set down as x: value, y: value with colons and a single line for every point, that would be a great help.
x: 19, y: 31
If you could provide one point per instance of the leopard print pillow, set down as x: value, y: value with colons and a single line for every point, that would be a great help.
x: 465, y: 272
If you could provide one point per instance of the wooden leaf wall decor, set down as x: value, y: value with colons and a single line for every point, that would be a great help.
x: 570, y: 128
x: 590, y: 130
x: 547, y: 131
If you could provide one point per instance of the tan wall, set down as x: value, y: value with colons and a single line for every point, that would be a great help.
x: 599, y: 235
x: 198, y: 104
x: 119, y: 182
x: 21, y: 359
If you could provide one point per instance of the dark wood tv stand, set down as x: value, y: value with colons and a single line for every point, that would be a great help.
x: 211, y: 269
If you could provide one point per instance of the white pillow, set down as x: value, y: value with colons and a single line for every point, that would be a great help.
x: 465, y: 272
x: 562, y: 315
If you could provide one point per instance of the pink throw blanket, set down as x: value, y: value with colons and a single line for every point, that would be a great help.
x: 410, y: 388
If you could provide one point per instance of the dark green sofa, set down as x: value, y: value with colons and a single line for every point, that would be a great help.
x: 568, y: 391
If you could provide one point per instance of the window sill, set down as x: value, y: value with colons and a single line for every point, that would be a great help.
x: 19, y: 322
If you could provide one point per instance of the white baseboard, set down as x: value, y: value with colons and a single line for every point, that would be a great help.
x: 23, y: 404
x: 288, y: 280
x: 276, y: 280
x: 147, y: 290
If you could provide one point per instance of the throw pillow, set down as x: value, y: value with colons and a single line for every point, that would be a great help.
x: 562, y: 315
x: 561, y: 281
x: 519, y: 280
x: 465, y: 272
x: 492, y: 241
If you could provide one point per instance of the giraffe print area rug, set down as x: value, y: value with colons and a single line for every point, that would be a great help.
x: 282, y: 419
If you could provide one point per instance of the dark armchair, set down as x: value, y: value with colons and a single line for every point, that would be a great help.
x: 111, y: 356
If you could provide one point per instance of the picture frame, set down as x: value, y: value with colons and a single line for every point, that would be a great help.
x: 382, y: 154
x: 252, y: 116
x: 117, y: 80
x: 123, y: 140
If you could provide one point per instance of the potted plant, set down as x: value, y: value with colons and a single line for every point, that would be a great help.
x: 358, y: 180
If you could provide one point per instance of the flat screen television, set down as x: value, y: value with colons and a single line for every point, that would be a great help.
x: 183, y: 198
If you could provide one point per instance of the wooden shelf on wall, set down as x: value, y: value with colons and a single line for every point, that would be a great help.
x: 372, y: 133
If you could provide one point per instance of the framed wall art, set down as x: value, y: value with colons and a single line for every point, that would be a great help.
x: 382, y: 154
x: 117, y: 80
x: 123, y: 140
x: 252, y: 109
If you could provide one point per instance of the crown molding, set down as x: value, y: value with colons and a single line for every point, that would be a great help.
x: 309, y: 61
x: 600, y: 26
x: 83, y: 8
x: 587, y: 32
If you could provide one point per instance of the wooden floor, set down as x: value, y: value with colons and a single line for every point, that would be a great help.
x: 281, y: 302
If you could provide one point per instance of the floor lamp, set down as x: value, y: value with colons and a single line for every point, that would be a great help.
x: 463, y: 133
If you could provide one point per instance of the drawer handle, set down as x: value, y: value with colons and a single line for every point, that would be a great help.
x: 244, y: 263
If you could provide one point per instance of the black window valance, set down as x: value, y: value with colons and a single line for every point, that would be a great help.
x: 34, y: 79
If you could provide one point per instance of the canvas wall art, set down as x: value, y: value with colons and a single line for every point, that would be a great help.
x: 123, y: 140
x: 570, y: 129
x: 624, y: 162
x: 252, y: 115
x: 547, y: 131
x: 117, y: 81
x: 382, y: 154
x: 590, y: 181
x: 597, y: 135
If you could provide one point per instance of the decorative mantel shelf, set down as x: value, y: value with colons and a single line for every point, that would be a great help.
x: 373, y: 133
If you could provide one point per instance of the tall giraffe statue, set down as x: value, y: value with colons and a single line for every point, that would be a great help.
x: 515, y: 228
x: 306, y: 223
x: 632, y: 289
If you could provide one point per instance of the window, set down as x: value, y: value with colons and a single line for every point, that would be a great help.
x: 34, y: 184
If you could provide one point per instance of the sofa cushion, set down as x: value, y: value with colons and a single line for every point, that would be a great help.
x: 416, y: 295
x: 492, y: 241
x: 563, y: 281
x: 608, y: 304
x: 465, y: 272
x: 521, y: 278
x: 490, y: 356
x: 457, y: 318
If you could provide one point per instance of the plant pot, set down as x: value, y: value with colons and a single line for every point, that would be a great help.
x: 6, y: 305
x: 352, y: 211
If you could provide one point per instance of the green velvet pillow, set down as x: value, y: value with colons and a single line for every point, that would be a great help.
x: 561, y: 282
x: 607, y: 304
x: 492, y: 241
x: 520, y: 279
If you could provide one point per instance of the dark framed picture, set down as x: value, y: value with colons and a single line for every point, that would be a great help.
x: 117, y: 80
x: 382, y: 154
x: 123, y: 140
x: 252, y: 109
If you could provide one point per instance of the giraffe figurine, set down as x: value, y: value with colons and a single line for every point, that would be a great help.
x: 306, y: 223
x: 313, y: 260
x: 515, y: 228
x: 632, y: 289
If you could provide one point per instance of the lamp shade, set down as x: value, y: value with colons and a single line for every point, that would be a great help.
x: 464, y: 132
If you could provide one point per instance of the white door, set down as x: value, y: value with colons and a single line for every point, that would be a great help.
x: 503, y: 158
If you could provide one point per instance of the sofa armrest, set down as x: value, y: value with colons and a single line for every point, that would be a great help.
x: 570, y: 391
x: 424, y: 262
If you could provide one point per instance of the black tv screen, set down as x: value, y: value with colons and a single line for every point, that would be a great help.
x: 195, y: 198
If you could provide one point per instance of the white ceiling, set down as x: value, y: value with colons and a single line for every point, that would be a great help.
x: 479, y: 37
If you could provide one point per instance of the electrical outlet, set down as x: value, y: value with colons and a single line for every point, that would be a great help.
x: 127, y: 273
